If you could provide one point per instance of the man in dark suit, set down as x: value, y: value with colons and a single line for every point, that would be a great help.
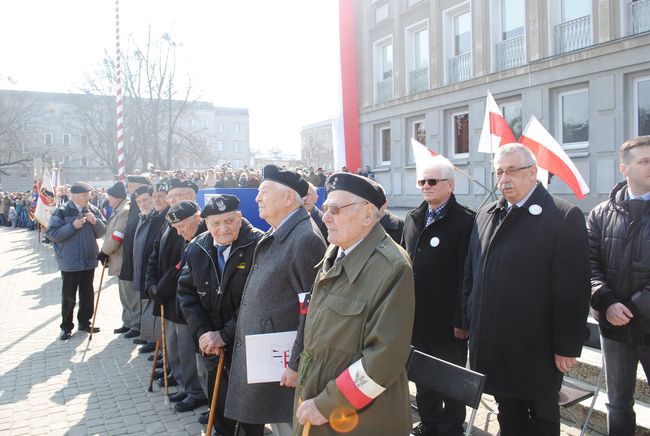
x: 526, y: 295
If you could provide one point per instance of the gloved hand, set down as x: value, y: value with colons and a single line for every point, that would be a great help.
x: 152, y: 292
x: 102, y: 257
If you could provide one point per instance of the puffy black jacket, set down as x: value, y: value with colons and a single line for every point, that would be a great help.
x: 619, y: 252
x: 210, y: 304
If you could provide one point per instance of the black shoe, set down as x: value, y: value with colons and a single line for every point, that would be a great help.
x: 121, y: 330
x: 132, y: 334
x: 423, y: 429
x: 65, y: 335
x: 177, y: 397
x: 86, y: 328
x: 147, y: 348
x: 189, y: 404
x: 139, y: 341
x: 159, y: 374
x: 159, y: 363
x: 204, y: 417
x: 170, y: 382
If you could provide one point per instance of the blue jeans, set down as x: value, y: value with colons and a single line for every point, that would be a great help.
x: 621, y: 361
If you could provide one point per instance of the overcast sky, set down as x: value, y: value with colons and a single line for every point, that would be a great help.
x: 279, y: 59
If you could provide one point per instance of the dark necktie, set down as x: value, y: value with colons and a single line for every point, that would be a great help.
x: 221, y: 262
x: 340, y: 257
x: 429, y: 219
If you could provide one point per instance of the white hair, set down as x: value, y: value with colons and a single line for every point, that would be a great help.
x: 442, y: 163
x: 515, y: 147
x: 297, y: 199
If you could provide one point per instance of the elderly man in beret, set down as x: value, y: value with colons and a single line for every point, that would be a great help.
x: 210, y: 288
x: 283, y: 268
x: 74, y: 229
x: 357, y: 333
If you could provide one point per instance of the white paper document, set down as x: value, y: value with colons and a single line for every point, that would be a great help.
x: 267, y: 355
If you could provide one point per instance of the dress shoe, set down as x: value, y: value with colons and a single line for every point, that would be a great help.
x: 65, y: 335
x: 132, y: 334
x: 121, y: 330
x: 177, y: 397
x: 139, y: 341
x: 147, y: 348
x: 86, y: 328
x: 204, y: 417
x: 159, y: 363
x: 189, y: 404
x: 423, y: 429
x: 170, y: 382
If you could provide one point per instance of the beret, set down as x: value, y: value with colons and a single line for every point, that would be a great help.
x: 287, y: 178
x: 182, y: 183
x: 117, y: 190
x: 358, y: 185
x: 138, y: 179
x: 146, y: 189
x: 181, y: 210
x: 160, y: 187
x: 80, y: 187
x: 219, y: 204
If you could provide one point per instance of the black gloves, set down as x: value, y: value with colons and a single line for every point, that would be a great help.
x: 102, y: 257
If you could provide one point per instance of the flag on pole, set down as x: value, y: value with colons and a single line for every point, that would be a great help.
x: 423, y: 157
x: 46, y: 199
x: 551, y: 156
x: 496, y: 130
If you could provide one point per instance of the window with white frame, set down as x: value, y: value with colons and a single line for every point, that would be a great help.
x: 573, y: 118
x: 221, y: 145
x: 66, y: 139
x: 383, y: 65
x: 462, y: 33
x: 457, y: 31
x: 459, y: 131
x: 572, y: 24
x: 417, y: 56
x: 512, y: 18
x: 204, y: 124
x: 25, y: 147
x: 237, y: 146
x: 84, y: 161
x: 642, y: 106
x: 508, y: 33
x: 512, y: 114
x: 383, y: 145
x: 418, y: 130
x: 48, y: 139
x: 574, y: 9
x: 235, y: 127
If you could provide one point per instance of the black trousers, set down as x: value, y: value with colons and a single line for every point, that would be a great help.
x: 226, y: 426
x: 538, y: 417
x: 82, y: 280
x: 444, y: 416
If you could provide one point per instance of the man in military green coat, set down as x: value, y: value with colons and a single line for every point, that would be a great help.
x: 352, y: 374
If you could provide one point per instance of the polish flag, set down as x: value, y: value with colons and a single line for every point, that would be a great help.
x: 496, y: 130
x: 423, y: 156
x: 118, y: 236
x: 552, y: 157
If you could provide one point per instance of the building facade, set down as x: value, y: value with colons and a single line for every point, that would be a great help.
x: 316, y: 145
x: 582, y: 67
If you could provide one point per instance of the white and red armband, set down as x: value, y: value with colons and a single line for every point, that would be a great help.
x: 357, y: 387
x: 118, y: 236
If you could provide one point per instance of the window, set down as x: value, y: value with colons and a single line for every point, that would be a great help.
x: 237, y: 147
x: 573, y: 118
x: 221, y: 162
x: 457, y: 31
x: 460, y: 134
x: 574, y: 9
x: 84, y: 140
x: 237, y: 164
x: 84, y: 161
x: 512, y: 19
x: 462, y: 33
x: 66, y: 139
x: 65, y: 119
x: 24, y: 147
x: 221, y: 145
x: 417, y: 57
x: 572, y: 24
x: 642, y: 106
x: 512, y: 115
x: 67, y: 161
x: 220, y: 127
x: 235, y: 127
x: 204, y: 124
x: 384, y: 70
x: 384, y: 146
x: 48, y: 139
x: 416, y: 129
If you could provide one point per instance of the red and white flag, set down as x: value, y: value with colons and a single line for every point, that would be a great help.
x: 46, y: 201
x: 496, y: 130
x: 551, y: 156
x: 423, y: 156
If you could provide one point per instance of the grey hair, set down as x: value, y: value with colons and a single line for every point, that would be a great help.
x: 515, y: 147
x: 297, y: 199
x: 444, y: 164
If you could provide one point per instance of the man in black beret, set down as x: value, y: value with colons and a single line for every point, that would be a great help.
x: 217, y: 264
x: 283, y: 270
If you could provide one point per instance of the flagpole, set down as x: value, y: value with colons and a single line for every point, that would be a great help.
x: 118, y: 97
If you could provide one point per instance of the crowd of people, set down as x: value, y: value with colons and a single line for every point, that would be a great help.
x: 510, y: 286
x: 16, y: 209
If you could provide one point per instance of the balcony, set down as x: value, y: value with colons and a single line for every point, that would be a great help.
x: 573, y: 35
x: 639, y: 16
x: 385, y: 90
x: 418, y: 80
x: 511, y: 53
x: 460, y: 68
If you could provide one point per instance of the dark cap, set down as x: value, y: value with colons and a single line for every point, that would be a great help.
x: 80, y: 188
x: 138, y: 179
x: 117, y: 190
x: 160, y: 187
x: 146, y: 189
x: 182, y: 183
x: 219, y: 204
x: 357, y: 185
x: 182, y: 210
x: 287, y: 178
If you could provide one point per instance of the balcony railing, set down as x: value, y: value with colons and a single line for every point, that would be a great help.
x: 385, y: 90
x: 639, y: 16
x: 511, y: 53
x: 419, y: 80
x: 573, y: 35
x: 460, y: 68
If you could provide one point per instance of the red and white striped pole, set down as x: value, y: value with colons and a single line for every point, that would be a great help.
x: 118, y: 97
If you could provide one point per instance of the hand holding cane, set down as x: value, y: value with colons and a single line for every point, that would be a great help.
x: 215, y: 390
x: 153, y: 369
x: 164, y: 351
x: 99, y: 292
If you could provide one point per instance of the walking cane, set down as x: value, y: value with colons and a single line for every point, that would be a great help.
x: 215, y: 391
x: 164, y: 351
x: 153, y: 368
x: 99, y: 292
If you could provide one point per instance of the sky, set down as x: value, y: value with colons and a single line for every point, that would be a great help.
x: 279, y: 59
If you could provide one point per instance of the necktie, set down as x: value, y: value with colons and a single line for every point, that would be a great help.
x: 429, y: 218
x: 221, y: 262
x: 340, y: 256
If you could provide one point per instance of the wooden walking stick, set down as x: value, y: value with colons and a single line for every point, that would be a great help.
x: 153, y: 368
x: 215, y: 391
x: 164, y: 351
x: 99, y: 292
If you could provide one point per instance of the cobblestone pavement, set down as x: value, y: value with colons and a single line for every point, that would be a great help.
x: 77, y: 387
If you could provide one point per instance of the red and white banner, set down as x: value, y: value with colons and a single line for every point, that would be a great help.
x: 551, y: 156
x: 357, y: 387
x: 46, y: 199
x: 423, y: 157
x: 496, y: 131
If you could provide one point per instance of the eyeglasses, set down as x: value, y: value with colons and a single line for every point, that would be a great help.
x: 430, y: 182
x: 511, y: 172
x: 334, y: 209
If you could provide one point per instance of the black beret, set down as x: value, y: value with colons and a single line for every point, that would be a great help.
x: 182, y: 183
x: 138, y: 179
x: 117, y: 190
x: 182, y: 210
x: 358, y: 185
x: 146, y: 189
x: 80, y: 187
x: 287, y: 178
x: 219, y: 204
x: 160, y: 187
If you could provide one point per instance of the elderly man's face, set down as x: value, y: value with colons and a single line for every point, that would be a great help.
x: 179, y: 194
x: 224, y: 227
x: 160, y: 200
x: 438, y: 194
x: 145, y: 203
x: 188, y: 227
x: 311, y: 198
x: 114, y: 201
x: 347, y: 226
x: 81, y: 199
x: 272, y: 202
x: 514, y: 177
x: 132, y: 186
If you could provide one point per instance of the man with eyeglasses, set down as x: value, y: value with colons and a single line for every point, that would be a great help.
x: 526, y: 295
x: 436, y: 236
